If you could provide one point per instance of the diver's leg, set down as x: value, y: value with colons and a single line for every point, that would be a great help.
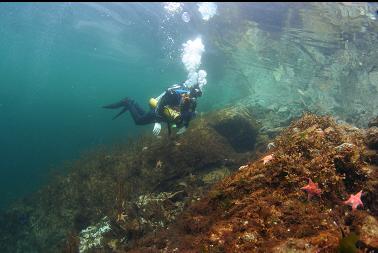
x: 140, y: 116
x: 121, y: 112
x: 123, y: 102
x: 147, y: 118
x: 139, y: 109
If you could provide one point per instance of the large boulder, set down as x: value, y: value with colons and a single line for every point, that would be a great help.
x: 238, y: 126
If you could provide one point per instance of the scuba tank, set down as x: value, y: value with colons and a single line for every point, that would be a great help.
x: 171, y: 114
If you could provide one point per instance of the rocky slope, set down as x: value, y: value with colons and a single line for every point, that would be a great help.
x: 264, y: 208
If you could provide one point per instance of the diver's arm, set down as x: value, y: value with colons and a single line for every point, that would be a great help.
x: 160, y: 104
x: 185, y: 123
x: 157, y: 128
x: 160, y: 96
x: 166, y: 99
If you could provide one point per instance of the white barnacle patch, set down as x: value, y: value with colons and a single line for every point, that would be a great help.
x: 92, y: 235
x: 344, y: 146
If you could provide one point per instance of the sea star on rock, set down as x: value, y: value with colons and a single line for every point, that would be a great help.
x: 243, y: 167
x: 121, y: 217
x: 312, y: 189
x: 354, y: 200
x: 159, y: 164
x: 267, y: 158
x: 271, y: 145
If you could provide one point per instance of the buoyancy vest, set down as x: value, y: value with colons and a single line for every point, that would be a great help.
x: 171, y: 114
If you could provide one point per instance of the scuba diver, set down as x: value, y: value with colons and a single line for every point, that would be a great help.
x: 176, y: 106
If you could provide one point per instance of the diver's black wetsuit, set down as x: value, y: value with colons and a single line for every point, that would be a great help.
x: 172, y: 98
x: 140, y: 116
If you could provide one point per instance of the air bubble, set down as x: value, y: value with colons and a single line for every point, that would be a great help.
x: 185, y: 17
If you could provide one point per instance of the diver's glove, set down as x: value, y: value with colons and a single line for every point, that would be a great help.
x: 181, y: 131
x: 157, y: 128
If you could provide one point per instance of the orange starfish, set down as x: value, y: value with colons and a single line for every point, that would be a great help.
x: 312, y: 189
x: 267, y: 158
x: 354, y: 200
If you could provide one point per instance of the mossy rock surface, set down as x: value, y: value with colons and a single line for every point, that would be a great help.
x: 109, y: 182
x: 262, y: 208
x: 238, y: 126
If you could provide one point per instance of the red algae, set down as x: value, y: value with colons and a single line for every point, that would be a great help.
x: 261, y: 208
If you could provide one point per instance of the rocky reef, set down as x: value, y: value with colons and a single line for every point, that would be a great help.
x: 264, y: 207
x: 231, y: 183
x: 112, y: 198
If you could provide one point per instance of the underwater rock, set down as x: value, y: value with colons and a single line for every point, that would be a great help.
x: 258, y: 207
x: 110, y: 183
x: 156, y: 210
x: 216, y: 175
x: 262, y: 207
x: 373, y: 122
x: 371, y: 156
x: 373, y: 78
x: 369, y: 232
x: 272, y: 131
x: 372, y: 138
x: 238, y: 126
x: 329, y: 71
x: 330, y: 240
x: 283, y: 109
x: 344, y: 147
x: 92, y: 236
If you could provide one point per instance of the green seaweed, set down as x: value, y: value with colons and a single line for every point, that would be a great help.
x: 348, y: 244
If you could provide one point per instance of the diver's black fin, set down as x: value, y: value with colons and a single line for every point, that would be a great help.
x: 121, y: 112
x: 123, y: 102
